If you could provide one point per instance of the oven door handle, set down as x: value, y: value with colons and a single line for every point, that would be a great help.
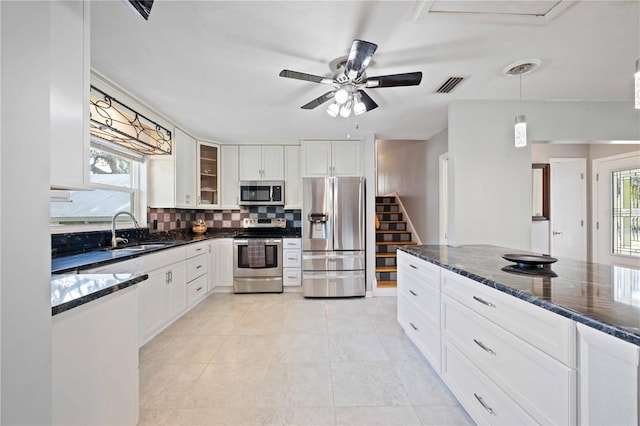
x: 245, y: 242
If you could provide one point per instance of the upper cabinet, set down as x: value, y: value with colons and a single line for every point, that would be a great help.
x: 185, y: 158
x: 208, y: 174
x: 172, y: 178
x: 69, y: 101
x: 331, y: 158
x: 229, y: 177
x: 264, y: 162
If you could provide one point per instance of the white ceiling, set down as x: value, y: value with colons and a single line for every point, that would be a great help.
x: 212, y: 66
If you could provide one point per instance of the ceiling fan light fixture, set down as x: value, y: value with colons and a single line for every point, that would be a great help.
x: 359, y: 107
x: 345, y: 111
x: 341, y: 96
x: 333, y: 110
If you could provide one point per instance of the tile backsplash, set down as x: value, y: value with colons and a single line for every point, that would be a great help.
x: 170, y: 219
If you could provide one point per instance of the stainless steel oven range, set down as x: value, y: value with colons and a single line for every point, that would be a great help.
x: 257, y: 256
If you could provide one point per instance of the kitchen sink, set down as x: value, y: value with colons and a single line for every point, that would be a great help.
x: 141, y: 247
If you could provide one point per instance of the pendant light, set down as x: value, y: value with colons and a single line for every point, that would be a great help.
x: 520, y: 128
x: 519, y: 68
x: 637, y: 84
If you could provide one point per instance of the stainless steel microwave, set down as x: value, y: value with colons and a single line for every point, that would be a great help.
x: 261, y: 193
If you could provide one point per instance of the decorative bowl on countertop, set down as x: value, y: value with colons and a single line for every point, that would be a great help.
x: 529, y: 260
x: 199, y: 226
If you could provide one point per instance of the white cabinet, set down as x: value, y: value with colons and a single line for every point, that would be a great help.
x: 525, y: 351
x: 291, y: 261
x: 163, y: 296
x: 198, y: 255
x: 223, y: 253
x: 229, y: 177
x: 292, y: 177
x: 94, y: 361
x: 331, y: 158
x: 261, y: 162
x: 184, y: 150
x: 208, y: 174
x: 419, y: 304
x: 69, y: 94
x: 172, y: 178
x: 608, y: 379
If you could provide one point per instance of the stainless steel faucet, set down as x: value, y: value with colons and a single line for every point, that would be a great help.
x: 115, y: 240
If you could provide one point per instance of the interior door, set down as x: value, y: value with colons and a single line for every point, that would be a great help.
x: 604, y: 211
x: 568, y: 222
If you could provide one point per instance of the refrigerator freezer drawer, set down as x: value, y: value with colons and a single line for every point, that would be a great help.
x: 333, y: 284
x: 333, y: 261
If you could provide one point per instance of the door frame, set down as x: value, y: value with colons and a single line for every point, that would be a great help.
x: 595, y: 164
x: 583, y: 209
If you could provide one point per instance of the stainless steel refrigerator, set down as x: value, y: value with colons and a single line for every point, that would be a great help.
x: 333, y: 249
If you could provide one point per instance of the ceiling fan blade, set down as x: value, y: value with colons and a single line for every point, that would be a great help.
x: 394, y: 80
x: 319, y: 100
x: 306, y: 77
x: 359, y: 58
x: 367, y: 101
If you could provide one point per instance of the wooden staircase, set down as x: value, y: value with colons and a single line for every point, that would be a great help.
x: 391, y: 231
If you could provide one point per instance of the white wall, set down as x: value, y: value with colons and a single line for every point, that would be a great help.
x: 25, y: 309
x: 369, y: 173
x: 490, y: 180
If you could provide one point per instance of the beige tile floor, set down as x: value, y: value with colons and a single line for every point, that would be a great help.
x: 281, y: 359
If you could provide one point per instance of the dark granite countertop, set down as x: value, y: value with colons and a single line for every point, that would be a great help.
x: 71, y: 290
x: 601, y: 296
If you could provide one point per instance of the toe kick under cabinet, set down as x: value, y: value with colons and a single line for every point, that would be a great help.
x: 507, y: 361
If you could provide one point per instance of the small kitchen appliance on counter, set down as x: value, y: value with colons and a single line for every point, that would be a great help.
x: 257, y: 256
x: 333, y: 247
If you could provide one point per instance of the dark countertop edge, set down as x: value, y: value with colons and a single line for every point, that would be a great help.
x: 565, y: 312
x: 97, y: 295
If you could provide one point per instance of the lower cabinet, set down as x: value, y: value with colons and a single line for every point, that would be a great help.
x: 95, y: 362
x: 291, y: 262
x: 507, y: 361
x: 223, y: 254
x: 198, y: 256
x: 609, y: 379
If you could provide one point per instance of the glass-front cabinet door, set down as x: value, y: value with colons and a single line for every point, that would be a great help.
x: 208, y: 172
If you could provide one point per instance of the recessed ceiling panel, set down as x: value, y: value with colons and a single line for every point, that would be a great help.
x: 521, y: 7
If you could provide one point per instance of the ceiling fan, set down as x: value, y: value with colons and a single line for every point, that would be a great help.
x: 347, y: 93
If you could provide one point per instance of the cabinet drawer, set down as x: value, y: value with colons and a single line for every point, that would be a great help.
x: 549, y: 332
x: 425, y: 296
x: 196, y: 267
x: 292, y: 276
x: 196, y: 249
x: 544, y: 387
x: 291, y: 258
x: 196, y: 290
x: 419, y: 329
x: 482, y: 399
x: 291, y: 243
x: 426, y: 273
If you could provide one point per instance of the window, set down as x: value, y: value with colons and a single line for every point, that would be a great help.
x: 626, y: 212
x: 115, y: 176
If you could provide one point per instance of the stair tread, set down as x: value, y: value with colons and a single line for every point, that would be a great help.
x: 386, y: 268
x: 392, y: 221
x: 392, y: 231
x: 396, y: 243
x: 386, y: 254
x: 387, y: 284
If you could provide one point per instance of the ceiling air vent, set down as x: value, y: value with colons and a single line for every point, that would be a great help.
x: 449, y: 85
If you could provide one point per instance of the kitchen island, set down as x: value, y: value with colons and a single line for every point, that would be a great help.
x: 555, y: 345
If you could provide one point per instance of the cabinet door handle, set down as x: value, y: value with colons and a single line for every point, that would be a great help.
x: 413, y: 326
x: 166, y: 277
x: 484, y: 302
x: 198, y: 289
x: 413, y: 292
x: 484, y: 404
x: 484, y: 347
x: 199, y: 249
x: 199, y: 266
x: 413, y: 266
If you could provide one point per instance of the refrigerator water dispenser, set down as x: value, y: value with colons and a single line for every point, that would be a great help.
x: 318, y: 225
